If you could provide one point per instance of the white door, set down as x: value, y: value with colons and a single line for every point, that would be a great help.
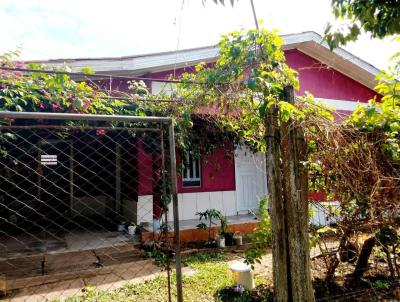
x: 251, y: 181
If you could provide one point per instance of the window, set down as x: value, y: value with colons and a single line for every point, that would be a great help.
x: 191, y: 176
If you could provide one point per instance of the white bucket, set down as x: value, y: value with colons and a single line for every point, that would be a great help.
x: 156, y: 226
x: 221, y: 241
x: 242, y: 275
x: 121, y: 227
x: 131, y: 229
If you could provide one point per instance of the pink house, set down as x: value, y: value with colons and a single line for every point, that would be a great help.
x: 234, y: 184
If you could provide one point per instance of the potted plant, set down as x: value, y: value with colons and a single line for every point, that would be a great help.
x: 225, y: 230
x: 208, y: 215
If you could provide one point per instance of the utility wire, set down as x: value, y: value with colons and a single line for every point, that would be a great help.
x: 254, y: 14
x: 179, y: 34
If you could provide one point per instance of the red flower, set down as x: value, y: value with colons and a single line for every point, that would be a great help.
x: 86, y: 105
x: 56, y: 106
x: 100, y: 132
x: 8, y: 120
x: 19, y: 64
x: 41, y: 105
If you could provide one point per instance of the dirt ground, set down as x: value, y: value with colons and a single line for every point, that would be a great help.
x: 109, y: 277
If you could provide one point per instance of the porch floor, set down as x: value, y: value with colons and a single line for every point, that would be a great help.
x: 27, y: 262
x: 189, y: 232
x: 41, y: 243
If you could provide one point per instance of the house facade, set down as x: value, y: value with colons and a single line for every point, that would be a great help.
x: 234, y: 184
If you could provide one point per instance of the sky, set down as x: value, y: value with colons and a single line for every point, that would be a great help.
x: 50, y: 29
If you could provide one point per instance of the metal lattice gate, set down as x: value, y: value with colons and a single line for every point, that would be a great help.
x: 78, y: 195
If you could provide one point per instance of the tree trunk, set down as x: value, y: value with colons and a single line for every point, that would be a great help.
x: 332, y: 266
x: 295, y: 176
x: 288, y: 194
x: 278, y: 223
x: 362, y: 262
x: 389, y: 261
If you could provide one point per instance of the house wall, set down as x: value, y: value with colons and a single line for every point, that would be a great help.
x: 217, y: 172
x: 217, y: 188
x: 315, y: 77
x: 325, y: 82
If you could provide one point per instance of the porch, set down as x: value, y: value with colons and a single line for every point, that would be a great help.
x: 29, y: 261
x: 101, y: 257
x: 189, y: 232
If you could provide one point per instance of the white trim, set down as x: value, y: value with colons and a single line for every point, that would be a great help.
x: 340, y: 104
x: 249, y: 165
x: 309, y: 43
x: 162, y: 88
x: 142, y: 63
x: 190, y: 203
x: 145, y: 209
x: 196, y: 165
x: 311, y: 36
x: 320, y: 213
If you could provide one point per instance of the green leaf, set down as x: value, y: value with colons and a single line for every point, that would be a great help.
x: 88, y: 70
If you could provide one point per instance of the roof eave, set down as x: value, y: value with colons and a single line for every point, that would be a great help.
x: 309, y: 43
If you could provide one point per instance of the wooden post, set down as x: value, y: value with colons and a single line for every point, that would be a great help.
x: 288, y: 194
x: 295, y: 195
x: 118, y: 206
x: 278, y: 223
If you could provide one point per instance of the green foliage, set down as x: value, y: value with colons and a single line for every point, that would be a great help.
x: 387, y: 235
x: 383, y: 116
x: 209, y: 215
x: 204, y: 257
x: 160, y: 258
x: 381, y: 284
x: 57, y: 92
x: 260, y: 294
x: 371, y: 136
x: 212, y: 276
x: 379, y: 18
x: 247, y: 79
x: 260, y: 238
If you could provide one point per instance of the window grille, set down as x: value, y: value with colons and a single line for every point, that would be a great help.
x: 191, y: 171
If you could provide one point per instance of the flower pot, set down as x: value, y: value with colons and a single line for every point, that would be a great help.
x: 221, y: 241
x: 238, y: 238
x: 121, y: 226
x: 157, y: 226
x: 210, y: 244
x: 132, y: 230
x: 228, y: 238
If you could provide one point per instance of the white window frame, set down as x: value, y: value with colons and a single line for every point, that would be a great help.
x: 191, y: 166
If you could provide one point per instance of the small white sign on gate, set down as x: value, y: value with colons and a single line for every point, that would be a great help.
x: 48, y: 160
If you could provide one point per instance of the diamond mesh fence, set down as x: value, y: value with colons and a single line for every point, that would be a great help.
x: 77, y: 197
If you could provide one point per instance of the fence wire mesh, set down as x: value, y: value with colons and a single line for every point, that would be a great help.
x: 76, y: 199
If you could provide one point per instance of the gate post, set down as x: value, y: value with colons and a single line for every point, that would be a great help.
x: 288, y: 194
x: 174, y: 192
x: 278, y: 216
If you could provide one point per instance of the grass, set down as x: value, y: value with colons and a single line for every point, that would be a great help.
x: 211, y: 281
x: 212, y: 275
